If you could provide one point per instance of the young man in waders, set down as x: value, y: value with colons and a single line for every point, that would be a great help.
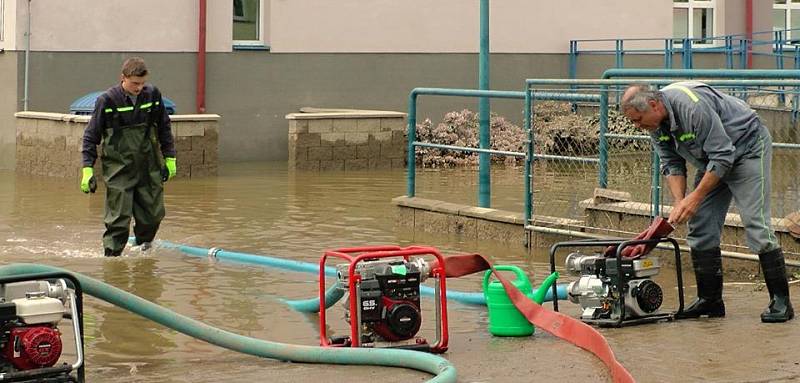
x: 131, y: 125
x: 724, y: 139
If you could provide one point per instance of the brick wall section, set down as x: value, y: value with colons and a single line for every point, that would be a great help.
x: 343, y: 139
x: 49, y: 144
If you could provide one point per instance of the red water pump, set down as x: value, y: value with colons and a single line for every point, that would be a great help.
x: 383, y: 283
x: 31, y: 309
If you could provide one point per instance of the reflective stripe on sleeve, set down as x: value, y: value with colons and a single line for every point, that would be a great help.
x: 684, y: 90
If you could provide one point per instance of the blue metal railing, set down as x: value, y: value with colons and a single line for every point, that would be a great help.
x: 734, y: 47
x: 658, y: 77
x: 528, y: 96
x: 611, y: 78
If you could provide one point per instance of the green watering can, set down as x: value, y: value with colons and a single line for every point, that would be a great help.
x: 504, y: 318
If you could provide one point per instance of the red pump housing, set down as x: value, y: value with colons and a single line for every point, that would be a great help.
x: 33, y: 347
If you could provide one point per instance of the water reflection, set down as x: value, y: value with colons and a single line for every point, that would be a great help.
x: 267, y: 209
x: 122, y: 337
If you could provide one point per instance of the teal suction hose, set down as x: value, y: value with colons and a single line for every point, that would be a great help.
x: 422, y: 361
x: 333, y: 294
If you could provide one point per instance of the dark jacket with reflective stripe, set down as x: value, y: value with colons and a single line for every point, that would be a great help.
x: 128, y: 114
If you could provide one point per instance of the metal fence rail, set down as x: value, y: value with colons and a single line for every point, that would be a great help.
x: 483, y: 182
x: 759, y: 87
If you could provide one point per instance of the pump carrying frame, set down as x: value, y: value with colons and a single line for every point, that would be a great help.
x: 621, y: 244
x: 355, y: 255
x: 63, y: 371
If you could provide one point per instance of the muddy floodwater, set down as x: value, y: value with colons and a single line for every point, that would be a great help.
x: 265, y: 209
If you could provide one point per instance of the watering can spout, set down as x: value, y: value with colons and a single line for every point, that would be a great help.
x: 547, y: 284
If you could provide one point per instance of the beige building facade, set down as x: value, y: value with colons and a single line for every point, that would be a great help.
x: 268, y: 58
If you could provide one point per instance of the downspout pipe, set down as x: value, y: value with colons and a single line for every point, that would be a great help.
x: 27, y: 60
x: 443, y: 370
x: 201, y: 59
x: 748, y: 27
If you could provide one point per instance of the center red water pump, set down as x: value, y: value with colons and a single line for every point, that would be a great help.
x: 383, y: 306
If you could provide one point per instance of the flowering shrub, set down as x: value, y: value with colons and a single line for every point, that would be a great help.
x: 461, y: 129
x: 557, y: 131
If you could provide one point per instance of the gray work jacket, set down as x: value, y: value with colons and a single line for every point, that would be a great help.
x: 705, y: 127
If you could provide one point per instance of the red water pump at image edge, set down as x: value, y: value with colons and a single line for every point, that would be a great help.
x: 383, y: 304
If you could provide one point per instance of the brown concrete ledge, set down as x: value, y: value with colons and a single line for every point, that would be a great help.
x: 472, y: 222
x: 613, y: 219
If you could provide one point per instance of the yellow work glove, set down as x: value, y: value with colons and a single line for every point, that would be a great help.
x: 169, y: 163
x: 88, y: 183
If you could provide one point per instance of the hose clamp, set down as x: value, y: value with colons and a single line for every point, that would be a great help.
x: 212, y: 252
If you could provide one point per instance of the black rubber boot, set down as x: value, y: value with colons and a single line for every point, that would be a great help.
x: 774, y: 268
x: 708, y: 273
x: 112, y: 253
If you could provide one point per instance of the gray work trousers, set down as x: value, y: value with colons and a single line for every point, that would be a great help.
x: 748, y: 184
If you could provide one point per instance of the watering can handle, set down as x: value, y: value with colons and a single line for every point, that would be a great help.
x: 519, y: 274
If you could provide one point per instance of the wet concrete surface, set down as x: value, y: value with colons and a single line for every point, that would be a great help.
x: 264, y: 209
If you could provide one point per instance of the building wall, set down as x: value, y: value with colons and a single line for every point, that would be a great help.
x: 10, y: 96
x: 253, y: 91
x: 517, y: 26
x: 325, y: 54
x: 115, y: 26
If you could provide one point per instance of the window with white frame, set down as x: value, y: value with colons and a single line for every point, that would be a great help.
x: 248, y: 23
x: 786, y: 17
x: 693, y: 19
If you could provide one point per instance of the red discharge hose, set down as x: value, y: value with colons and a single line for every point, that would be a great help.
x: 558, y: 324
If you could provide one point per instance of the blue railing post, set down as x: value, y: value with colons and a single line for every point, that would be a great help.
x: 743, y: 46
x: 412, y: 137
x: 573, y: 67
x: 795, y: 101
x: 668, y: 50
x: 728, y: 52
x: 573, y: 59
x: 655, y: 193
x: 484, y: 111
x: 602, y: 175
x: 529, y: 156
x: 618, y: 63
x: 687, y: 53
x: 618, y: 54
x: 779, y: 61
x: 778, y: 48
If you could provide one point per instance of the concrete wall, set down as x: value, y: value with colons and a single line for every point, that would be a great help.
x: 323, y: 139
x: 49, y: 144
x: 10, y: 97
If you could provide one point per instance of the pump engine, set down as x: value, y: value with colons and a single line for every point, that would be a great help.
x: 597, y: 288
x: 388, y: 298
x: 30, y: 340
x: 383, y: 285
